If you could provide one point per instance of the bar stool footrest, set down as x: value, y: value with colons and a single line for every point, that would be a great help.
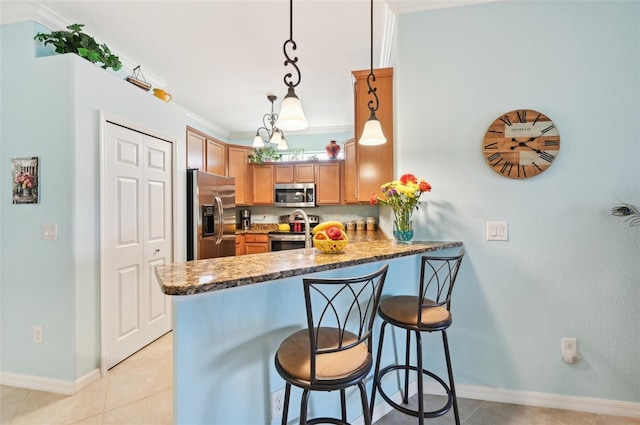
x: 411, y: 412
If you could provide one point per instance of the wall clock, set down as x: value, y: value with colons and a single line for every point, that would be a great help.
x: 521, y: 144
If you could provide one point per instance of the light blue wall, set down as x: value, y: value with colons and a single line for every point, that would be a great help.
x: 569, y: 269
x: 51, y: 109
x: 36, y: 276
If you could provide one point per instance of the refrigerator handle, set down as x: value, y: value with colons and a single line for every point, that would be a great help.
x: 220, y: 220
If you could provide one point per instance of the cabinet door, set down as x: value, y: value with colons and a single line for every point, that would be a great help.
x: 239, y: 168
x: 195, y: 150
x: 284, y: 173
x: 305, y: 173
x: 240, y: 245
x: 262, y: 185
x: 216, y: 157
x: 328, y: 183
x: 256, y: 244
x: 374, y: 163
x: 350, y: 172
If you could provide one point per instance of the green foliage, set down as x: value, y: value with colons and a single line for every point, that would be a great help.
x: 75, y: 41
x: 260, y: 154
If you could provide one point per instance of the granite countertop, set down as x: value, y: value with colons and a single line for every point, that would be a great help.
x: 194, y: 277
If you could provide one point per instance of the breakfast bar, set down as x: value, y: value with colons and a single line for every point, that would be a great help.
x: 231, y: 313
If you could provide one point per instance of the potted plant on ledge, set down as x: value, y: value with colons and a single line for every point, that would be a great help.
x: 268, y: 153
x: 75, y: 41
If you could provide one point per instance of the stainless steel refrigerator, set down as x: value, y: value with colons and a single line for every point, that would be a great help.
x: 211, y: 215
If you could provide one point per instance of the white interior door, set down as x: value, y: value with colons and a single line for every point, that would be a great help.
x: 137, y: 235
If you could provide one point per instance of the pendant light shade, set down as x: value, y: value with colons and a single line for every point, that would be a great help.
x: 291, y: 117
x: 282, y: 144
x: 258, y: 142
x: 372, y: 134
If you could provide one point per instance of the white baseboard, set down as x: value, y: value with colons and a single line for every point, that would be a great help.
x: 528, y: 398
x: 47, y: 384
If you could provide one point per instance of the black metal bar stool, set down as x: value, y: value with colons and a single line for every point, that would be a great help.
x: 429, y: 311
x: 335, y: 351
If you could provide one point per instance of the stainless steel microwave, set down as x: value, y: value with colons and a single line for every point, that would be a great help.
x: 296, y: 195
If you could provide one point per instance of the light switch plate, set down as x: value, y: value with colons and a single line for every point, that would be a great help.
x: 50, y: 232
x: 497, y: 231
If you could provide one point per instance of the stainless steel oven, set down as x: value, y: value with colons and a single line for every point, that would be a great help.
x: 293, y: 239
x: 281, y: 242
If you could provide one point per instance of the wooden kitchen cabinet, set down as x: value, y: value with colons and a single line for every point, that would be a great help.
x: 262, y: 184
x: 195, y: 150
x: 205, y: 153
x: 295, y: 173
x: 240, y: 250
x: 372, y: 165
x: 238, y: 166
x: 329, y: 182
x: 256, y: 243
x: 216, y: 157
x: 350, y: 172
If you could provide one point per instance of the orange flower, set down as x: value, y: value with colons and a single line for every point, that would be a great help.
x: 424, y: 186
x: 373, y: 199
x: 405, y: 178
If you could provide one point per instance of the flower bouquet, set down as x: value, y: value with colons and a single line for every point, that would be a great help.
x: 402, y: 196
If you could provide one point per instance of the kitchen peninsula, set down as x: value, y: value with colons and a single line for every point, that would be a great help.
x: 230, y: 315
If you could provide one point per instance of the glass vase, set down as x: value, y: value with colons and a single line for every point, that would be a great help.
x: 403, y: 230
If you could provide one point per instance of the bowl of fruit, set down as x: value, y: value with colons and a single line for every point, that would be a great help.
x: 329, y: 237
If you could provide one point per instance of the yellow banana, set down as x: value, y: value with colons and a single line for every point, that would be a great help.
x: 325, y: 225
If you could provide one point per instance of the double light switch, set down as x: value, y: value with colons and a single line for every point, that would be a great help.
x: 497, y: 231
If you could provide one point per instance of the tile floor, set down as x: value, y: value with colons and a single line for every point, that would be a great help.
x: 138, y: 391
x: 135, y: 392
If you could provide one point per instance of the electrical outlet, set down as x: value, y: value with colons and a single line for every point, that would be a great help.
x: 277, y: 403
x: 38, y: 334
x: 569, y: 344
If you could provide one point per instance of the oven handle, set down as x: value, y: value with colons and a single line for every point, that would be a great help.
x: 291, y: 237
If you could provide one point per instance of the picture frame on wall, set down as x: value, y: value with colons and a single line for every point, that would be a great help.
x: 24, y: 176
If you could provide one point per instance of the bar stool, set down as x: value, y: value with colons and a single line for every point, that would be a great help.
x: 335, y: 351
x: 429, y: 311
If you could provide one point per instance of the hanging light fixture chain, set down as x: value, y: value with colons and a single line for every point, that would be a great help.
x: 293, y: 62
x: 371, y: 78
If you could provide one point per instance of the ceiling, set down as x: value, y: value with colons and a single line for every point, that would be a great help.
x: 220, y: 59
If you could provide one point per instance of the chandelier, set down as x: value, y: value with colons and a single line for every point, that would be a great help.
x: 274, y: 134
x: 291, y: 114
x: 372, y: 133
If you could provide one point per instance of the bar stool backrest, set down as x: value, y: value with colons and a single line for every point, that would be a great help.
x: 344, y: 308
x: 437, y: 278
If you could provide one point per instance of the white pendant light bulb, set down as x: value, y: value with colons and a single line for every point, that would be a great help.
x: 258, y: 142
x: 291, y: 117
x: 372, y: 134
x: 282, y: 145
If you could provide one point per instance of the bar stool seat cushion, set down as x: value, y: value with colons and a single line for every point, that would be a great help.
x: 294, y: 353
x: 404, y: 309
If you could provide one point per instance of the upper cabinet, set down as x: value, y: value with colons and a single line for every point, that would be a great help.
x: 329, y: 182
x: 238, y: 165
x: 368, y: 167
x: 262, y: 184
x: 295, y: 173
x: 206, y: 153
x: 195, y: 150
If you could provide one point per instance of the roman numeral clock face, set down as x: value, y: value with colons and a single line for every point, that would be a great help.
x: 521, y: 144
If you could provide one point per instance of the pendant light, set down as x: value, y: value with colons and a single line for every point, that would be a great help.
x: 372, y: 134
x: 274, y: 134
x: 291, y: 117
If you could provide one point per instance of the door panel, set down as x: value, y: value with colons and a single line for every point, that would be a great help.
x: 137, y: 235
